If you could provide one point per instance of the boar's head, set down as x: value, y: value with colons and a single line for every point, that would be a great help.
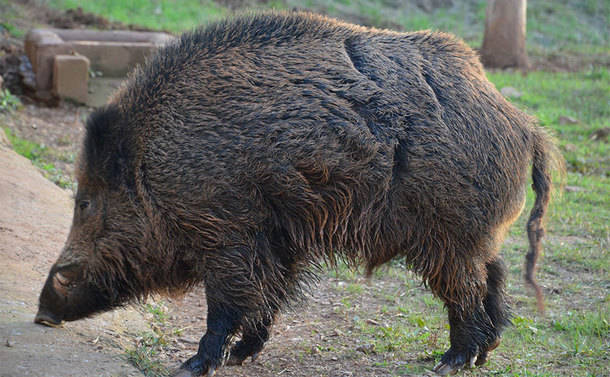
x: 98, y: 268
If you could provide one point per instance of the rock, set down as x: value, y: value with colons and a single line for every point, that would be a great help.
x: 575, y: 189
x: 188, y: 340
x: 570, y: 147
x: 367, y: 349
x: 4, y: 142
x: 563, y: 120
x: 509, y: 91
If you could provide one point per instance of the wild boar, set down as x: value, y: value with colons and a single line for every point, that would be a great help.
x: 246, y: 152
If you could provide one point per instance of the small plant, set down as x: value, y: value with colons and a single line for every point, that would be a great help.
x: 40, y: 155
x: 12, y: 30
x: 8, y: 101
x: 142, y: 357
x: 93, y: 73
x: 150, y: 344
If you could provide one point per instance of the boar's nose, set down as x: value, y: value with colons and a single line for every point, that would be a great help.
x: 45, y: 317
x: 50, y: 308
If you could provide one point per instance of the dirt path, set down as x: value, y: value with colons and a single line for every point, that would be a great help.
x: 34, y: 219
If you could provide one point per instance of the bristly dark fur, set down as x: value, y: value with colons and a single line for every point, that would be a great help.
x: 108, y: 147
x: 244, y: 153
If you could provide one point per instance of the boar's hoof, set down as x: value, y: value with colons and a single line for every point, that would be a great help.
x: 444, y: 369
x: 239, y: 360
x: 482, y: 359
x: 187, y: 373
x: 235, y: 360
x: 197, y: 366
x: 452, y: 361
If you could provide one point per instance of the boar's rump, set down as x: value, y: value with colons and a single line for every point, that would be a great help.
x: 244, y: 154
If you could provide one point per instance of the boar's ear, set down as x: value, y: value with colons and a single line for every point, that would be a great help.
x: 109, y: 148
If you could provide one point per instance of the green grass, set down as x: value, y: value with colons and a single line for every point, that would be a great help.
x: 8, y: 101
x: 41, y: 157
x: 584, y: 96
x: 148, y: 345
x: 13, y: 30
x: 143, y: 357
x: 175, y: 16
x: 10, y: 14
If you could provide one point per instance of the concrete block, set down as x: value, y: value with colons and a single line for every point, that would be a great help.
x: 113, y: 59
x: 70, y: 77
x: 41, y: 46
x: 113, y: 53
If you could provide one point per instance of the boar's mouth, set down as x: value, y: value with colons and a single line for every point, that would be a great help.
x: 46, y: 318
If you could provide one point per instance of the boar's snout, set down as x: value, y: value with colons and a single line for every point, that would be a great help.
x: 45, y: 317
x: 54, y: 296
x: 50, y: 308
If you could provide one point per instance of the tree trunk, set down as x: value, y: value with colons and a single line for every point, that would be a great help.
x: 504, y: 40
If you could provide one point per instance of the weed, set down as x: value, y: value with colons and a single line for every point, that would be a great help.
x: 150, y: 344
x: 13, y: 30
x: 8, y: 101
x: 40, y: 156
x: 143, y: 358
x: 162, y: 14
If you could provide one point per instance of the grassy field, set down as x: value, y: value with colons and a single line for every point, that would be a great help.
x: 394, y: 315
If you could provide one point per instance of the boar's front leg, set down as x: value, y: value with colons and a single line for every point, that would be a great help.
x: 228, y: 295
x: 222, y: 323
x: 245, y: 286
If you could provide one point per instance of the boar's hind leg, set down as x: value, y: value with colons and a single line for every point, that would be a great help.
x: 496, y: 306
x: 251, y: 343
x: 476, y: 332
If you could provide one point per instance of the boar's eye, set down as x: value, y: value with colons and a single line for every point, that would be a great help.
x: 83, y: 204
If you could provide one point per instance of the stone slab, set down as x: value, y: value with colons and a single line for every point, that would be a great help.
x: 70, y: 77
x: 113, y: 53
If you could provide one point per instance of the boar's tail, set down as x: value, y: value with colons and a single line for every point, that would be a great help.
x: 546, y: 159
